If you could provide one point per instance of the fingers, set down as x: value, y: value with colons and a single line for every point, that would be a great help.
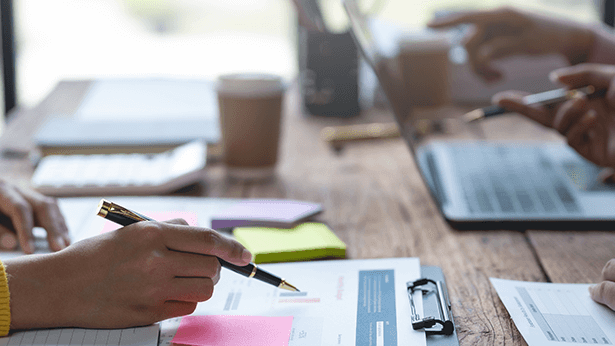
x: 47, y: 214
x: 607, y: 176
x: 8, y: 241
x: 473, y: 17
x: 580, y: 134
x: 206, y: 242
x: 194, y: 265
x: 191, y: 289
x: 499, y: 47
x: 588, y: 138
x: 495, y: 34
x: 481, y: 65
x: 581, y: 75
x: 172, y: 309
x: 569, y: 113
x: 608, y: 272
x: 496, y: 48
x: 177, y: 222
x: 514, y: 101
x: 604, y: 293
x: 17, y: 208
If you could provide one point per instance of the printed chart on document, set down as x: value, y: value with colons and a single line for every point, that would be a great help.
x: 340, y: 303
x: 548, y: 313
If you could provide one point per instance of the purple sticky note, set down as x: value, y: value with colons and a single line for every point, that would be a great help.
x: 234, y: 331
x: 278, y: 213
x: 189, y: 216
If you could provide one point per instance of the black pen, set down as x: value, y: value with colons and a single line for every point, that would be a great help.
x: 547, y: 98
x: 123, y: 216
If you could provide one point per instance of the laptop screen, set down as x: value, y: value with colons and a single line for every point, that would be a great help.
x: 381, y: 55
x: 478, y: 183
x: 418, y: 127
x: 379, y: 48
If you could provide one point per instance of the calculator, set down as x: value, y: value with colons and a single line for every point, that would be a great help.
x: 121, y: 174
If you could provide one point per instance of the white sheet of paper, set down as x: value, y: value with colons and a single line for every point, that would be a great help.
x: 82, y: 221
x: 556, y: 314
x: 325, y: 311
x: 342, y: 302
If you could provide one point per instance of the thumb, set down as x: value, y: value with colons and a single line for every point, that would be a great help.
x: 604, y: 293
x: 577, y: 76
x: 8, y: 240
x: 513, y: 101
x: 607, y: 176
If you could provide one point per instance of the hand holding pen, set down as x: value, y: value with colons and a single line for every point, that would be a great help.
x: 588, y: 123
x: 547, y: 98
x: 124, y: 216
x: 140, y: 274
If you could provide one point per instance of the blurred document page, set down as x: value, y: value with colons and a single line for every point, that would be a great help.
x: 135, y: 113
x: 556, y: 314
x: 342, y: 302
x: 149, y: 99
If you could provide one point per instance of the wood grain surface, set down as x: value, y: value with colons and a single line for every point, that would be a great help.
x: 376, y: 202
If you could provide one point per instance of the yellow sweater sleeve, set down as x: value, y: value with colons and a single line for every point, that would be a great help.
x: 5, y: 308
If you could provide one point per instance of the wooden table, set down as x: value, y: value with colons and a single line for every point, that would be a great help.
x: 376, y: 202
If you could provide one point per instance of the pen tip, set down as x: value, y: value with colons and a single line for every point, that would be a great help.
x: 285, y: 285
x: 474, y: 115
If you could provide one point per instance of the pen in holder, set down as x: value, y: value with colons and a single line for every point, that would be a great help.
x: 429, y: 287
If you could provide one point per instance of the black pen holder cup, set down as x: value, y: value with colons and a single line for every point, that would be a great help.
x: 328, y: 73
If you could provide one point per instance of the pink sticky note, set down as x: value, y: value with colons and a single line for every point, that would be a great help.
x: 189, y: 216
x: 228, y: 330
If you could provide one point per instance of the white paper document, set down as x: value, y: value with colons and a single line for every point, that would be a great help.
x: 82, y: 221
x: 341, y: 302
x: 556, y: 314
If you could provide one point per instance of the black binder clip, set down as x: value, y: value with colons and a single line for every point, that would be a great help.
x: 444, y: 307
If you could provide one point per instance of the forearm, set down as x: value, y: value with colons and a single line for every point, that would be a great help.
x: 37, y: 291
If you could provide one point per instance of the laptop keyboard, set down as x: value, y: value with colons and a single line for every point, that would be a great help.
x: 511, y: 180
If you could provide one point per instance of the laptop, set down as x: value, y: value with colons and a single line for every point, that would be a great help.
x: 490, y: 184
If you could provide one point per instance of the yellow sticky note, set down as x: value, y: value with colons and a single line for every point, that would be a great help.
x: 304, y: 242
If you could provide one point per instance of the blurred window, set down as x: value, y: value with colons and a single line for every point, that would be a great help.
x: 76, y: 39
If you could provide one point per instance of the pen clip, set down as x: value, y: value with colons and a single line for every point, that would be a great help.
x: 444, y: 307
x: 105, y: 207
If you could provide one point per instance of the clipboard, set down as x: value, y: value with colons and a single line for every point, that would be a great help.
x: 437, y: 319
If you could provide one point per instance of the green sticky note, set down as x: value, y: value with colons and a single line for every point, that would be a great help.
x: 304, y: 242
